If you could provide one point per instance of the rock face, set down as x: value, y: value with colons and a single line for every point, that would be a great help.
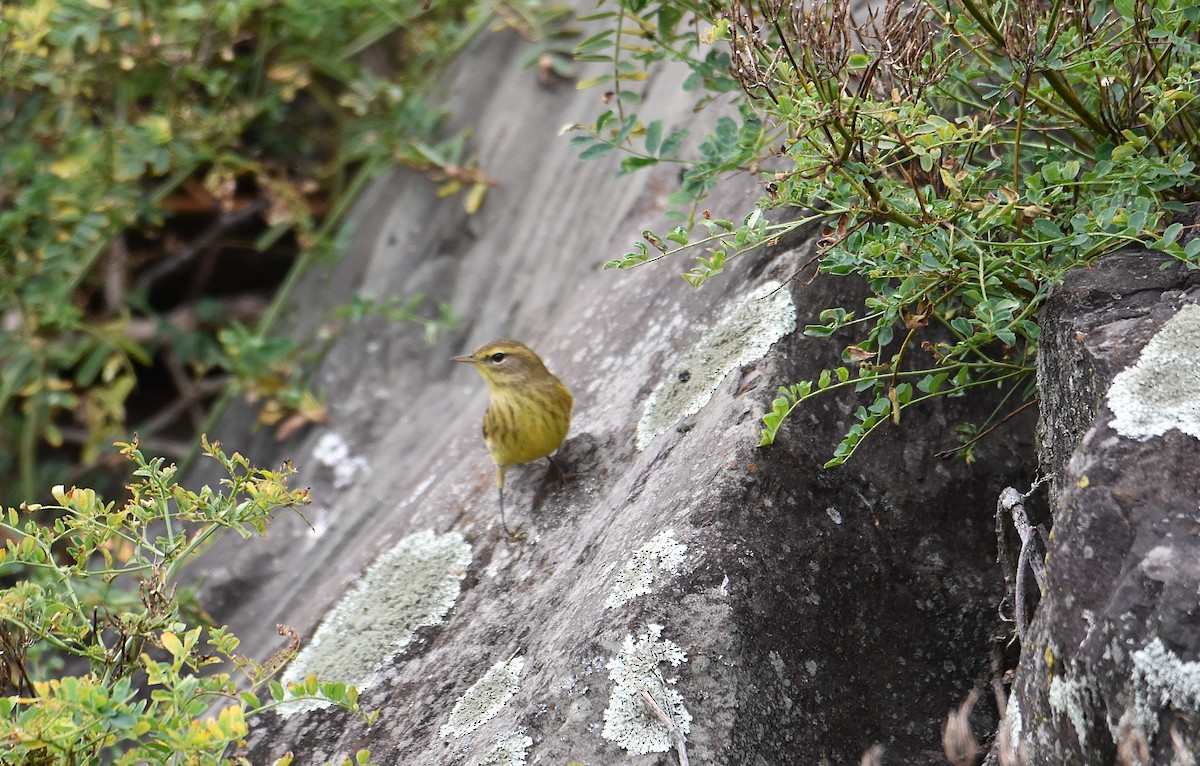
x: 775, y: 612
x: 1111, y: 665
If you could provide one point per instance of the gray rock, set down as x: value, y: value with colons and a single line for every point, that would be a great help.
x: 1093, y: 326
x: 778, y: 613
x: 1111, y: 667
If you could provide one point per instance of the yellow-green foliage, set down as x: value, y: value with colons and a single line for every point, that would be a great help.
x: 99, y: 584
x: 110, y: 108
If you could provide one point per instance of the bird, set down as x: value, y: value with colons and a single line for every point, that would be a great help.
x: 529, y: 409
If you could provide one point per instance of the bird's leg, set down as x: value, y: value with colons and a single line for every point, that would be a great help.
x: 503, y: 525
x: 513, y: 536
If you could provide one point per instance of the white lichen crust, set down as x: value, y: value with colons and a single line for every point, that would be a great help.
x: 745, y: 335
x: 1163, y: 682
x: 662, y: 554
x: 484, y: 699
x: 1069, y: 696
x: 411, y: 586
x: 510, y: 750
x: 629, y: 720
x: 1161, y: 390
x: 332, y: 451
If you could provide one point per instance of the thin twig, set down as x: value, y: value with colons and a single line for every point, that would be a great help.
x: 202, y: 243
x: 189, y: 397
x: 680, y: 744
x: 198, y: 393
x: 952, y: 452
x: 116, y: 271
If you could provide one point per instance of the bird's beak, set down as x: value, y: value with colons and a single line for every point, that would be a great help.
x: 467, y: 359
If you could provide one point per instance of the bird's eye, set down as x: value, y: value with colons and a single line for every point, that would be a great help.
x: 497, y: 357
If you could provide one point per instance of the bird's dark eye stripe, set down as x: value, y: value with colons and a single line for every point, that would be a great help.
x: 498, y: 356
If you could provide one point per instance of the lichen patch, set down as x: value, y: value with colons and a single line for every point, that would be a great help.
x: 332, y: 451
x: 1161, y: 390
x: 1068, y: 696
x: 409, y: 587
x: 510, y: 750
x: 484, y: 698
x: 629, y: 720
x: 1163, y: 682
x: 745, y: 335
x: 662, y: 554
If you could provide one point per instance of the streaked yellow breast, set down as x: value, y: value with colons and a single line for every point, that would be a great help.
x: 524, y: 425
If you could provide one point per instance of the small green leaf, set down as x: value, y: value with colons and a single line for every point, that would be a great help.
x: 931, y: 384
x: 1048, y: 228
x: 672, y: 142
x: 654, y: 137
x: 1172, y: 233
x: 1137, y: 221
x: 630, y: 164
x: 596, y: 150
x: 596, y: 42
x: 626, y: 128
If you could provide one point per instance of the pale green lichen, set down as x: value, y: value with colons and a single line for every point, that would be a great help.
x: 1163, y: 681
x: 1012, y: 717
x: 1161, y: 390
x: 743, y: 336
x: 484, y: 698
x: 663, y: 553
x: 629, y: 720
x: 510, y: 750
x: 1068, y: 696
x: 409, y: 587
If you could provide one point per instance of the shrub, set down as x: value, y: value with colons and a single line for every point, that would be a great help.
x: 98, y: 589
x: 117, y: 113
x: 961, y: 157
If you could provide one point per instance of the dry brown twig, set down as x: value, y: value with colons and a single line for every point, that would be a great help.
x: 817, y: 40
x: 676, y: 734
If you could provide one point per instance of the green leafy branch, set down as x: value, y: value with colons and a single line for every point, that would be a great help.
x: 886, y: 408
x: 124, y: 118
x: 725, y: 241
x: 963, y: 158
x: 100, y: 584
x: 639, y: 35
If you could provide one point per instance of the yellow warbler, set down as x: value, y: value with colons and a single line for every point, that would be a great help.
x: 529, y: 410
